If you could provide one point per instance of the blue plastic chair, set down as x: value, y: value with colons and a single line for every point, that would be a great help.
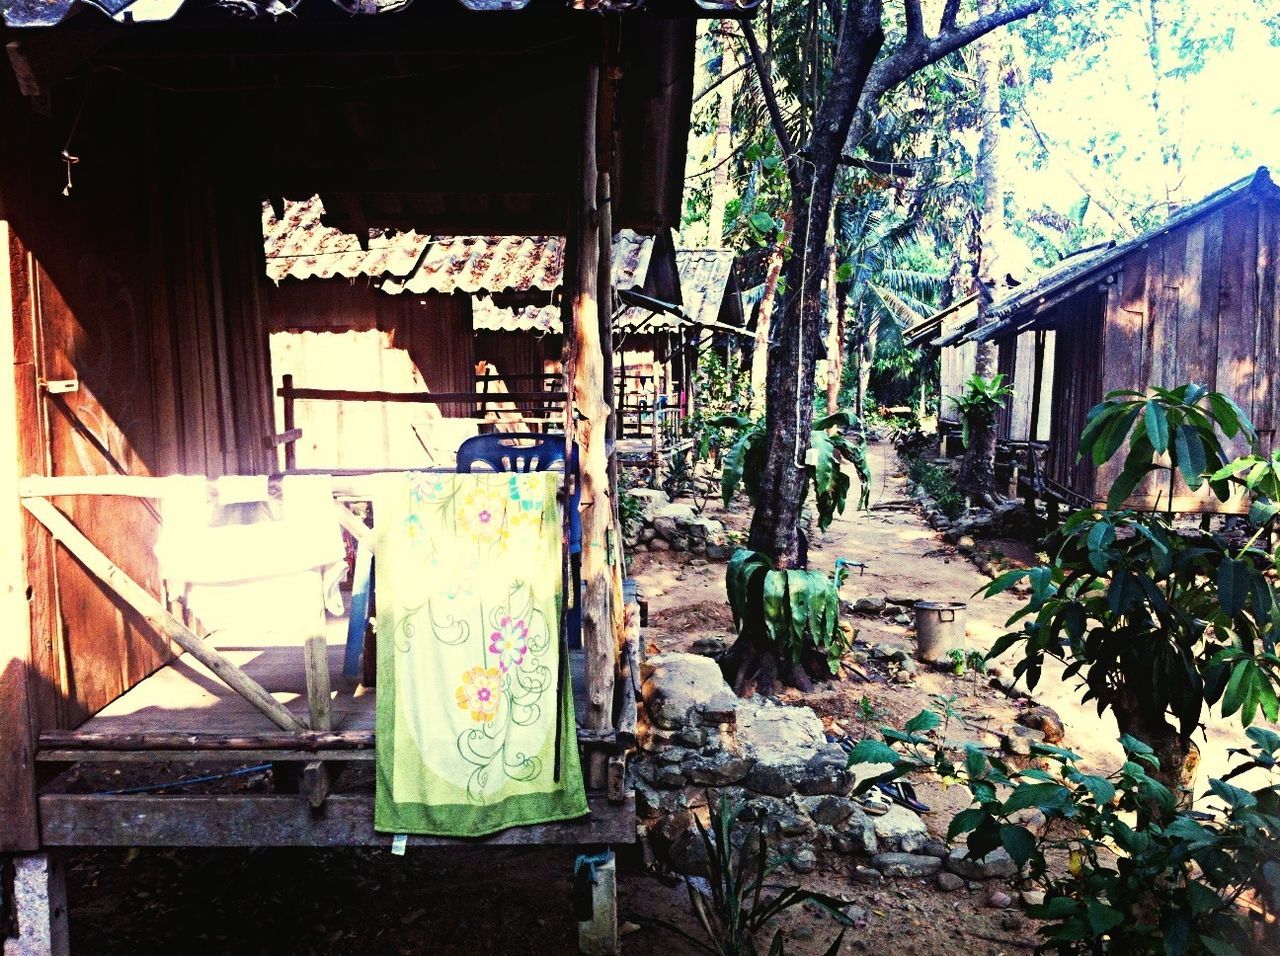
x: 501, y: 452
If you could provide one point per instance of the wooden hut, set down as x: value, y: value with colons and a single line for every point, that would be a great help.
x: 133, y: 165
x: 1192, y: 300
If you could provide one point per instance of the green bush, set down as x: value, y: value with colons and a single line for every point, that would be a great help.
x: 1172, y: 884
x: 939, y: 483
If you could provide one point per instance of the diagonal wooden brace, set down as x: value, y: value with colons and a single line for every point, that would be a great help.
x: 155, y: 613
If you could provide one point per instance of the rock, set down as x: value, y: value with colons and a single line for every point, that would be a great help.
x: 692, y: 736
x: 902, y: 600
x: 679, y: 685
x: 679, y: 542
x: 1032, y: 897
x: 995, y: 865
x: 826, y: 772
x: 648, y: 500
x: 1045, y: 720
x: 903, y: 677
x: 720, y: 552
x: 718, y: 769
x: 706, y: 530
x: 1032, y: 818
x: 669, y: 776
x: 902, y: 620
x: 658, y: 544
x: 906, y: 864
x: 869, y: 605
x: 778, y: 736
x: 892, y: 653
x: 647, y: 535
x: 1015, y: 745
x: 939, y: 523
x: 867, y: 875
x: 965, y: 543
x: 935, y: 848
x: 949, y: 882
x: 900, y: 830
x: 671, y: 520
x: 770, y: 781
x: 909, y: 667
x: 804, y: 860
x: 999, y: 900
x: 828, y: 809
x: 1029, y: 733
x: 708, y: 646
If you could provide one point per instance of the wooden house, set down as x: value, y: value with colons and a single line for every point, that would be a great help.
x: 133, y: 166
x: 1025, y: 418
x: 1192, y: 300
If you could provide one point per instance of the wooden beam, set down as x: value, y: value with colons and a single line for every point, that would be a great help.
x: 18, y: 827
x: 225, y: 820
x: 592, y: 414
x: 155, y: 613
x: 303, y: 741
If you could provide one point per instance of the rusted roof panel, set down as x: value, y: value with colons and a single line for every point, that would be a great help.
x: 297, y: 244
x: 706, y: 279
x: 47, y: 13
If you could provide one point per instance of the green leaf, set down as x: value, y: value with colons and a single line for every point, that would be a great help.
x: 1102, y: 917
x: 1189, y: 451
x: 1019, y: 843
x: 798, y: 594
x: 873, y: 751
x: 1262, y: 511
x: 1157, y: 426
x: 1114, y: 434
x: 1034, y: 795
x: 924, y: 721
x: 775, y: 605
x: 1233, y: 585
x: 762, y: 222
x: 965, y: 820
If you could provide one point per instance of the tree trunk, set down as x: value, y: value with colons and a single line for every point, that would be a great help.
x: 722, y: 142
x: 1179, y: 756
x: 835, y: 331
x: 977, y: 476
x: 764, y: 319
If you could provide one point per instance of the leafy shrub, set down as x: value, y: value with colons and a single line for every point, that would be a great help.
x: 979, y: 402
x: 800, y: 610
x: 730, y: 904
x: 1172, y: 885
x: 938, y: 483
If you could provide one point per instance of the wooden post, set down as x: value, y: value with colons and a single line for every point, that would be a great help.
x: 598, y: 936
x: 18, y: 825
x: 592, y: 413
x: 315, y: 655
x: 290, y: 447
x: 155, y: 614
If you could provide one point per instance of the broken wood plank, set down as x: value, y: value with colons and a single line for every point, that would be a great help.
x: 155, y: 614
x: 223, y: 820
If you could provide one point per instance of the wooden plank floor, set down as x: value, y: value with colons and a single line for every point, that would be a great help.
x: 184, y: 696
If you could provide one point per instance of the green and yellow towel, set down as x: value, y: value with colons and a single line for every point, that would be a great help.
x: 475, y: 727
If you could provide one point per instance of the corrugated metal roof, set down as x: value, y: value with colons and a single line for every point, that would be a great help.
x: 1085, y: 268
x: 47, y: 13
x: 297, y: 244
x: 474, y: 264
x: 487, y: 317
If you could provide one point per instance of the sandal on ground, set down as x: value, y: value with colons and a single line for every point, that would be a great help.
x: 901, y: 792
x: 873, y: 804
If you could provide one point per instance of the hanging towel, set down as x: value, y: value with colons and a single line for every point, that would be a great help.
x: 246, y: 561
x: 475, y: 726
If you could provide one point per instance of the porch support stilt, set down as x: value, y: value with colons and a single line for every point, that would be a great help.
x: 598, y: 936
x: 40, y: 906
x: 588, y: 396
x: 156, y: 614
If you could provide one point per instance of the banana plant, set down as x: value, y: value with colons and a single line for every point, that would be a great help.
x: 979, y: 402
x: 800, y: 610
x: 744, y: 465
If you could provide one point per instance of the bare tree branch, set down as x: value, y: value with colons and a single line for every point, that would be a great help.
x: 949, y: 13
x: 953, y: 38
x: 710, y: 87
x: 770, y: 95
x: 915, y: 20
x: 879, y: 167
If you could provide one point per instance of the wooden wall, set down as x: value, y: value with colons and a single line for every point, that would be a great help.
x: 1197, y: 304
x: 1016, y: 360
x: 140, y: 286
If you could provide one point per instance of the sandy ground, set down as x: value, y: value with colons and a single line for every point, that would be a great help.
x: 463, y: 901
